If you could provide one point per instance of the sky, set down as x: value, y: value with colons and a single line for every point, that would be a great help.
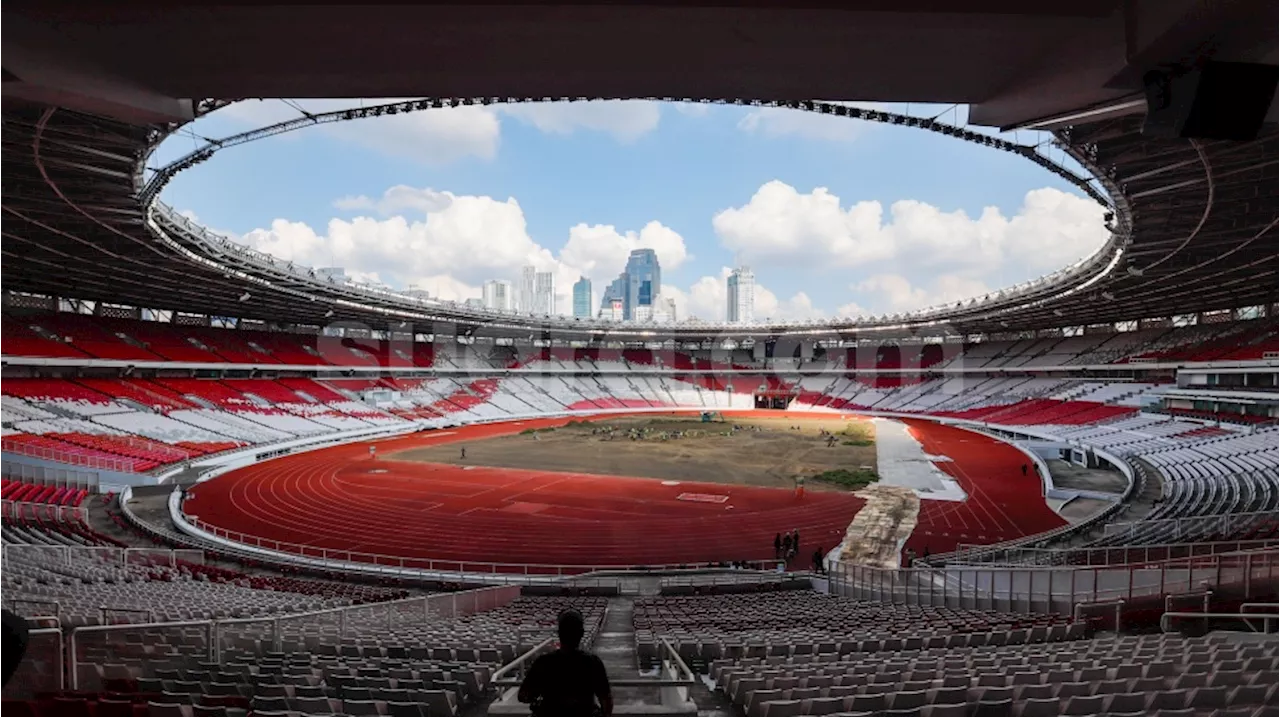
x: 836, y: 217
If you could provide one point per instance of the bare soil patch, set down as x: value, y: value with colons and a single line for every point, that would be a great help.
x: 765, y: 452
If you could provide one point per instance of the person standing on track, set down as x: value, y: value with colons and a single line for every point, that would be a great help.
x: 786, y: 545
x: 795, y: 540
x: 464, y: 453
x: 777, y: 545
x: 567, y: 682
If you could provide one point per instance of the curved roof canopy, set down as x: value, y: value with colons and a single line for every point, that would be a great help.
x: 88, y: 92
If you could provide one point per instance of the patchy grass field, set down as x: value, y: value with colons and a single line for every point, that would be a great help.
x: 767, y: 452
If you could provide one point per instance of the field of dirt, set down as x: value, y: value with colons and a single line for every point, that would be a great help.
x: 766, y: 452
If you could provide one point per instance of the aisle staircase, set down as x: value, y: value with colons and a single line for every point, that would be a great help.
x: 634, y: 692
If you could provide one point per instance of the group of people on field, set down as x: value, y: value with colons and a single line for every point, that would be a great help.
x: 786, y: 546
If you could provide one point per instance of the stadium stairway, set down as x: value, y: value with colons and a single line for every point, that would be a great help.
x: 616, y: 647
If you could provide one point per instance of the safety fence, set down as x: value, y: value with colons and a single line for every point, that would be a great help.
x: 102, y: 555
x: 42, y: 668
x: 48, y: 475
x: 85, y: 658
x: 1056, y: 590
x: 68, y: 457
x: 1190, y: 527
x: 41, y: 513
x: 1116, y: 555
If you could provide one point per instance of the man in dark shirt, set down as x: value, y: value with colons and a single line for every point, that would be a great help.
x: 567, y: 682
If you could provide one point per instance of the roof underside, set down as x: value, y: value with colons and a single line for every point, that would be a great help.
x: 1204, y: 213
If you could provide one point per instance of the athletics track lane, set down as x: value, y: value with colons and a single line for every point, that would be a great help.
x: 340, y: 499
x: 1002, y: 504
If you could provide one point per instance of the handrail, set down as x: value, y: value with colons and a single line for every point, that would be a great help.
x: 68, y: 457
x: 690, y: 678
x: 36, y: 632
x: 1128, y: 554
x: 73, y: 638
x: 496, y: 678
x: 212, y: 626
x: 1243, y: 617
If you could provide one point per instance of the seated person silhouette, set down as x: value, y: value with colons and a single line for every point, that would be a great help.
x: 567, y: 682
x: 13, y: 644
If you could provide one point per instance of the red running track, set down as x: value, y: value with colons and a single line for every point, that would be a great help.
x: 338, y: 499
x: 1002, y: 503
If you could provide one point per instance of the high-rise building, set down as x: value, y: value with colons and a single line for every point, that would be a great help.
x: 671, y: 308
x: 614, y: 291
x: 639, y: 285
x: 644, y: 281
x: 544, y: 293
x: 525, y: 298
x: 474, y: 303
x: 741, y: 292
x: 498, y: 295
x: 582, y: 298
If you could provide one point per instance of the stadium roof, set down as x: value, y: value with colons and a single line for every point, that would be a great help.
x: 90, y: 89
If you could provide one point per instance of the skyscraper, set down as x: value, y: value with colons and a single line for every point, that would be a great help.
x: 741, y: 293
x: 498, y: 295
x: 527, y: 275
x: 544, y: 293
x: 582, y: 298
x: 644, y: 281
x: 613, y: 292
x: 639, y: 285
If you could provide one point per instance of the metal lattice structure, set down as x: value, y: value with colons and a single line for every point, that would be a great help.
x: 1193, y: 229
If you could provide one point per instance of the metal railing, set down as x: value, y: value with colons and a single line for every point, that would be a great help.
x: 48, y: 475
x: 1117, y: 555
x: 66, y: 554
x: 206, y: 638
x: 42, y: 668
x: 1055, y: 590
x: 22, y: 510
x: 1218, y: 523
x: 1247, y: 618
x: 70, y: 457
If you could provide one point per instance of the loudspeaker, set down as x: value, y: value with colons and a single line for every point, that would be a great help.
x: 1216, y: 100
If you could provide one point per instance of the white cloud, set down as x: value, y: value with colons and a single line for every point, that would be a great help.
x: 435, y: 136
x: 783, y: 121
x: 707, y: 299
x: 600, y: 251
x: 780, y: 224
x: 1051, y: 229
x: 398, y: 199
x: 450, y: 244
x: 625, y: 120
x: 893, y: 293
x: 693, y: 109
x: 935, y: 255
x: 440, y: 136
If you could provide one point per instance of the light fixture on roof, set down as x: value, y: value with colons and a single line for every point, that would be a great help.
x: 244, y: 297
x: 1108, y: 296
x: 1135, y: 271
x: 328, y: 313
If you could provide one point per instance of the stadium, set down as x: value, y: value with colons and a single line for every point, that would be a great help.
x: 234, y: 484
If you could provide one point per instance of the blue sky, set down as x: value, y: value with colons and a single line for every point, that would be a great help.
x: 835, y: 216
